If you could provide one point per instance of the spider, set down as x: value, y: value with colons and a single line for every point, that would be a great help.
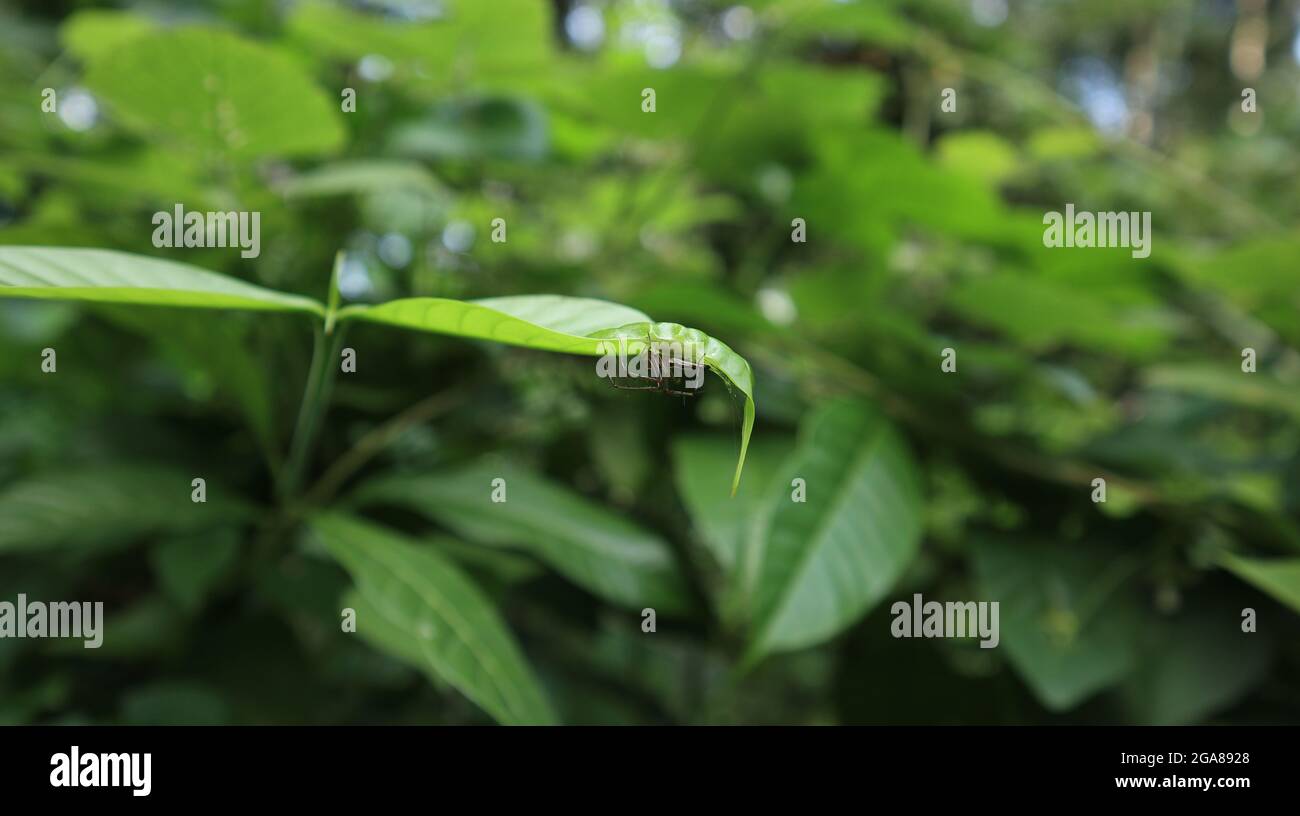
x: 658, y: 364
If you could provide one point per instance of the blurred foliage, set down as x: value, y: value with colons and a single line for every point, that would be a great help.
x: 924, y: 233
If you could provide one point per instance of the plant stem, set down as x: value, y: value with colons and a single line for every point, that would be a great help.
x: 376, y: 441
x: 315, y: 398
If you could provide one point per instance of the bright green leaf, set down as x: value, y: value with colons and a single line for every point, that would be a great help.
x: 429, y: 608
x: 503, y: 38
x: 981, y: 155
x: 92, y: 34
x: 106, y: 276
x: 1041, y: 314
x: 569, y: 325
x: 1064, y: 143
x: 545, y: 322
x: 218, y: 93
x: 1278, y: 577
x: 873, y: 22
x: 361, y: 176
x: 815, y: 566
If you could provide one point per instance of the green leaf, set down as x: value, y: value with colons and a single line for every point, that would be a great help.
x: 145, y: 176
x: 733, y: 369
x: 843, y: 193
x: 106, y: 276
x: 1042, y: 314
x: 1067, y: 625
x: 1278, y: 577
x: 978, y: 154
x: 1195, y: 663
x: 612, y: 97
x: 815, y: 566
x: 1227, y: 383
x: 593, y: 547
x: 238, y: 371
x: 93, y: 34
x: 1064, y: 143
x: 1255, y: 274
x: 469, y: 38
x: 477, y: 129
x: 338, y: 31
x: 189, y: 568
x: 361, y: 176
x: 494, y: 566
x: 872, y: 22
x: 569, y: 325
x: 219, y: 93
x: 388, y: 633
x: 100, y: 506
x: 428, y: 609
x: 544, y: 322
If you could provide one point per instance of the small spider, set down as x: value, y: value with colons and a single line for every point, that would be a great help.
x: 658, y: 364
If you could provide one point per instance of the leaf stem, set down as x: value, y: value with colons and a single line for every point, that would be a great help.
x: 315, y: 398
x: 376, y: 441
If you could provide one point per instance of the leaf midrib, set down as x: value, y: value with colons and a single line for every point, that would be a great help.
x: 492, y: 668
x: 841, y: 495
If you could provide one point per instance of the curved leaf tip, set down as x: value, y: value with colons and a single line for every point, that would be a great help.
x: 730, y: 367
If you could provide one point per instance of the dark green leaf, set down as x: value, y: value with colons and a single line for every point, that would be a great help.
x: 594, y: 547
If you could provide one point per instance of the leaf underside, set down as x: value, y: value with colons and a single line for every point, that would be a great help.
x: 107, y: 276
